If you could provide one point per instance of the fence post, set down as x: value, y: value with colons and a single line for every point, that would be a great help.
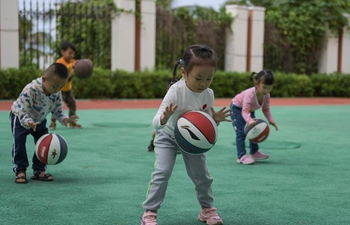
x: 148, y: 34
x: 236, y: 39
x: 9, y: 46
x: 257, y: 39
x: 123, y: 37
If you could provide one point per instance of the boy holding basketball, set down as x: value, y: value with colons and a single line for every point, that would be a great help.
x: 67, y: 59
x: 243, y: 107
x: 28, y: 116
x: 198, y: 65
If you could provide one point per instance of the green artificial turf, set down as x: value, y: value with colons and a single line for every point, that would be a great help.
x: 105, y: 176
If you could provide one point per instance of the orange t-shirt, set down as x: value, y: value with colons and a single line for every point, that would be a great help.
x: 69, y: 66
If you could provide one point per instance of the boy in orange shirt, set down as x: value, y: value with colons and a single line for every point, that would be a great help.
x: 67, y: 59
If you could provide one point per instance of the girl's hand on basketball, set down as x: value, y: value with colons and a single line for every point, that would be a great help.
x: 252, y: 123
x: 169, y: 110
x: 70, y: 120
x: 274, y: 124
x: 32, y: 125
x: 221, y: 115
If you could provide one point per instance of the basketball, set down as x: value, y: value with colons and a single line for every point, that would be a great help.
x: 83, y: 68
x: 195, y: 132
x: 258, y: 132
x: 51, y: 149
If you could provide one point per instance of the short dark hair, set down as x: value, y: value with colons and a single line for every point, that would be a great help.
x: 196, y: 55
x: 265, y: 76
x: 57, y: 69
x: 67, y: 45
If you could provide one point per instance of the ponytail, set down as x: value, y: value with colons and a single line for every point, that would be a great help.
x: 173, y: 80
x: 265, y: 76
x: 253, y: 76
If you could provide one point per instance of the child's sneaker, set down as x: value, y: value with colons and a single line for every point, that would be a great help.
x: 210, y: 216
x: 150, y: 147
x: 74, y: 125
x: 259, y: 156
x: 245, y: 160
x: 52, y: 126
x: 149, y: 218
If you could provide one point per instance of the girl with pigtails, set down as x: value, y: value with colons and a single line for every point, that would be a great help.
x: 192, y: 92
x: 243, y: 107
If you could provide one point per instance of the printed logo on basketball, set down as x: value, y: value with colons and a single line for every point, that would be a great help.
x: 193, y: 136
x: 54, y: 153
x: 43, y: 151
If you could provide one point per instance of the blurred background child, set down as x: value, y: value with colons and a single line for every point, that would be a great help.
x: 243, y: 108
x: 67, y: 59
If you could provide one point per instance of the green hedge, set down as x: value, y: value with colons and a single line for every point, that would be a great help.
x: 148, y: 84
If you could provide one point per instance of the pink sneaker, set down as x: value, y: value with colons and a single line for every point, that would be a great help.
x: 149, y: 218
x: 259, y: 156
x: 245, y: 160
x: 210, y: 216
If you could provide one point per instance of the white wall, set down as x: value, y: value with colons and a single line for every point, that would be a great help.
x: 148, y: 34
x: 258, y: 34
x: 328, y: 62
x: 123, y: 37
x: 9, y: 46
x: 345, y: 65
x: 236, y: 39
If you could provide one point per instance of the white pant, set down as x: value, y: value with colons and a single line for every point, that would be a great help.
x: 197, y: 170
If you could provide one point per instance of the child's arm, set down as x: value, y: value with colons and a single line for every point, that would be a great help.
x: 58, y: 110
x: 166, y: 109
x: 248, y: 101
x: 24, y: 104
x: 267, y: 112
x: 220, y: 115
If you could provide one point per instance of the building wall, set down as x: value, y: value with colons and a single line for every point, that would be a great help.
x: 9, y: 46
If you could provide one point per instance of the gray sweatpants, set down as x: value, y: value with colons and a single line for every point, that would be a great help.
x: 197, y: 170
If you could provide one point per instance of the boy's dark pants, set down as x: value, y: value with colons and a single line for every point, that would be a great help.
x: 69, y: 99
x: 19, y: 152
x: 238, y: 123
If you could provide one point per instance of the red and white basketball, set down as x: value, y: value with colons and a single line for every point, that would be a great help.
x: 195, y: 132
x: 258, y: 132
x: 51, y: 149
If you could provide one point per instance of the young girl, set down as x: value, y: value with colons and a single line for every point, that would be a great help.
x: 198, y: 65
x: 243, y: 108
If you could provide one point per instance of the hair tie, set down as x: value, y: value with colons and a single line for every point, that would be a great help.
x: 181, y: 61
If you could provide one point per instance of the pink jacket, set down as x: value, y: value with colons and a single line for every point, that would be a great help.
x: 248, y: 101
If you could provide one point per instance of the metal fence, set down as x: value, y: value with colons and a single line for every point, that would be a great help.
x: 181, y: 27
x: 45, y: 24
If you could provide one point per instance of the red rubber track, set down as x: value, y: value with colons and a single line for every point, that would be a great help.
x: 154, y: 103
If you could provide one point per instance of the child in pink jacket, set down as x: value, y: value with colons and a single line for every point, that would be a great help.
x: 243, y: 108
